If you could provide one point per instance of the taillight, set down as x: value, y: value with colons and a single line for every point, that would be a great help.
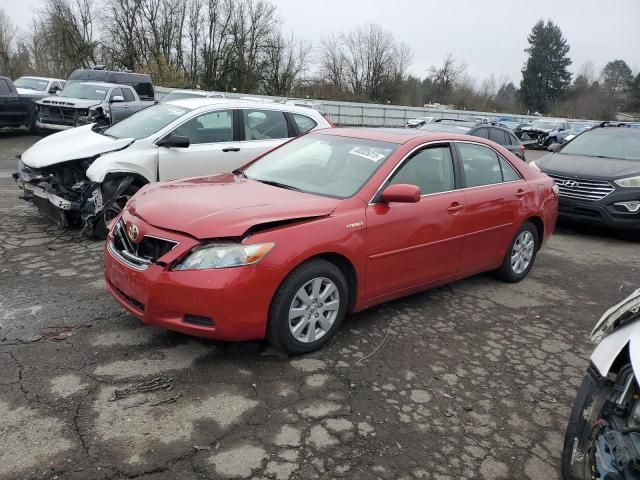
x: 522, y: 149
x: 330, y: 122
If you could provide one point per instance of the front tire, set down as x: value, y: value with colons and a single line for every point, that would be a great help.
x: 308, y: 307
x: 520, y: 255
x: 111, y: 211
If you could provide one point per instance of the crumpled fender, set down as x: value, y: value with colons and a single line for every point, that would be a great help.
x: 612, y: 345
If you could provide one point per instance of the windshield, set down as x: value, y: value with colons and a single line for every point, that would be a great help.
x: 32, y: 84
x: 614, y: 142
x: 180, y: 95
x: 84, y: 91
x: 146, y: 122
x: 322, y: 164
x: 544, y: 125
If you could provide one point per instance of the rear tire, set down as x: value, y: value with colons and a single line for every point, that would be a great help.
x: 520, y: 255
x: 308, y: 307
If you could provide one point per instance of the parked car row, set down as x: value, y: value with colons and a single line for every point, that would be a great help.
x: 306, y: 227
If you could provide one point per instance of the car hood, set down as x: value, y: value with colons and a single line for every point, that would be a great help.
x: 72, y: 144
x: 28, y: 91
x: 588, y: 167
x: 224, y: 205
x: 68, y: 102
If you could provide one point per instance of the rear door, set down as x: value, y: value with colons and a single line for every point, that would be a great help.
x: 212, y: 148
x: 414, y: 244
x: 262, y: 130
x: 496, y: 197
x: 502, y: 137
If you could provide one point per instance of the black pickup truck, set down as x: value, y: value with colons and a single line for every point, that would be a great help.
x: 16, y: 110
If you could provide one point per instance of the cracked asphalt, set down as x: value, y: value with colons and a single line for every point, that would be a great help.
x: 472, y: 380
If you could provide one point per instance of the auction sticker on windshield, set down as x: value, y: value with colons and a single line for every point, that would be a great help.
x: 368, y: 153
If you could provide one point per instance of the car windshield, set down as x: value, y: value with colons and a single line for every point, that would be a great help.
x: 180, y: 95
x: 85, y: 91
x: 326, y: 165
x: 460, y: 128
x: 31, y: 84
x: 544, y: 125
x: 620, y: 143
x: 146, y: 122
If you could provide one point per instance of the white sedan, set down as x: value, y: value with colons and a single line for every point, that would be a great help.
x: 85, y: 175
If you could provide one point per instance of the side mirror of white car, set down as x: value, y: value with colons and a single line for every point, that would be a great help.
x: 174, y: 141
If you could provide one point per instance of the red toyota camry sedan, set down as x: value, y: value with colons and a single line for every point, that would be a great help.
x: 332, y: 222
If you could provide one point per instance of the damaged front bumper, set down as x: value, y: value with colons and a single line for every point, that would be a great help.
x: 65, y: 205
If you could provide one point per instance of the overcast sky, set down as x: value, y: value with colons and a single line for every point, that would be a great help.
x: 488, y: 35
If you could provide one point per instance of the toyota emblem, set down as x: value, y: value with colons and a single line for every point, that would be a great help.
x: 132, y: 232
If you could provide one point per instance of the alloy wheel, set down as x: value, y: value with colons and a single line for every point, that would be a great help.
x: 522, y: 252
x: 314, y: 309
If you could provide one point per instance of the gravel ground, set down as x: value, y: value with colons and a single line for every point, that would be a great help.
x: 472, y: 380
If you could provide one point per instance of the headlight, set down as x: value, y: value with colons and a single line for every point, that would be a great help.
x: 535, y: 165
x: 630, y: 182
x: 224, y: 255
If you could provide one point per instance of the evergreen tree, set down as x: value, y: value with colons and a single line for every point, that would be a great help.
x: 617, y: 78
x: 545, y: 76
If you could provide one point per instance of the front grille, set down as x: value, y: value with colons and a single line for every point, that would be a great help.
x: 139, y: 255
x: 60, y: 112
x: 582, y: 189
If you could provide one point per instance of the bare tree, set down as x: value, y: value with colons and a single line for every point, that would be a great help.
x: 7, y: 35
x: 287, y: 60
x: 446, y: 77
x: 332, y: 62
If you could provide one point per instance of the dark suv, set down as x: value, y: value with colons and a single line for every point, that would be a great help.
x: 501, y: 135
x: 141, y: 82
x: 598, y: 175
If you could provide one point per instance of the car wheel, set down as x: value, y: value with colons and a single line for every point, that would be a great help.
x: 308, y: 308
x: 520, y: 255
x: 111, y: 211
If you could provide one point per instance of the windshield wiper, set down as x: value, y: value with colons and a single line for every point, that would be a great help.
x: 239, y: 173
x: 278, y: 184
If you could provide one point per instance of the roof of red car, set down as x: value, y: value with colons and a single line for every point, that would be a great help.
x: 390, y: 135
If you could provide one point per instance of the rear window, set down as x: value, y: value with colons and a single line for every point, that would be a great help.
x: 304, y: 123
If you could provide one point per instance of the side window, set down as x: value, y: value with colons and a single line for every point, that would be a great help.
x: 4, y: 87
x: 212, y: 127
x: 509, y: 173
x: 144, y: 90
x: 264, y: 125
x: 128, y: 95
x: 431, y: 169
x: 498, y: 136
x: 304, y: 123
x: 481, y: 165
x: 115, y: 92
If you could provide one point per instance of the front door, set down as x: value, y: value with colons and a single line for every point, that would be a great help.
x: 414, y: 244
x: 212, y: 148
x: 495, y: 195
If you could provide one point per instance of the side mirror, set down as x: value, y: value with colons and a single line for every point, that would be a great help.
x: 401, y: 193
x: 554, y: 147
x: 174, y: 141
x: 117, y: 98
x: 54, y: 90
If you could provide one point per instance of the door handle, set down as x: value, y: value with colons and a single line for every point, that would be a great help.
x: 231, y: 149
x: 520, y: 193
x: 455, y: 207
